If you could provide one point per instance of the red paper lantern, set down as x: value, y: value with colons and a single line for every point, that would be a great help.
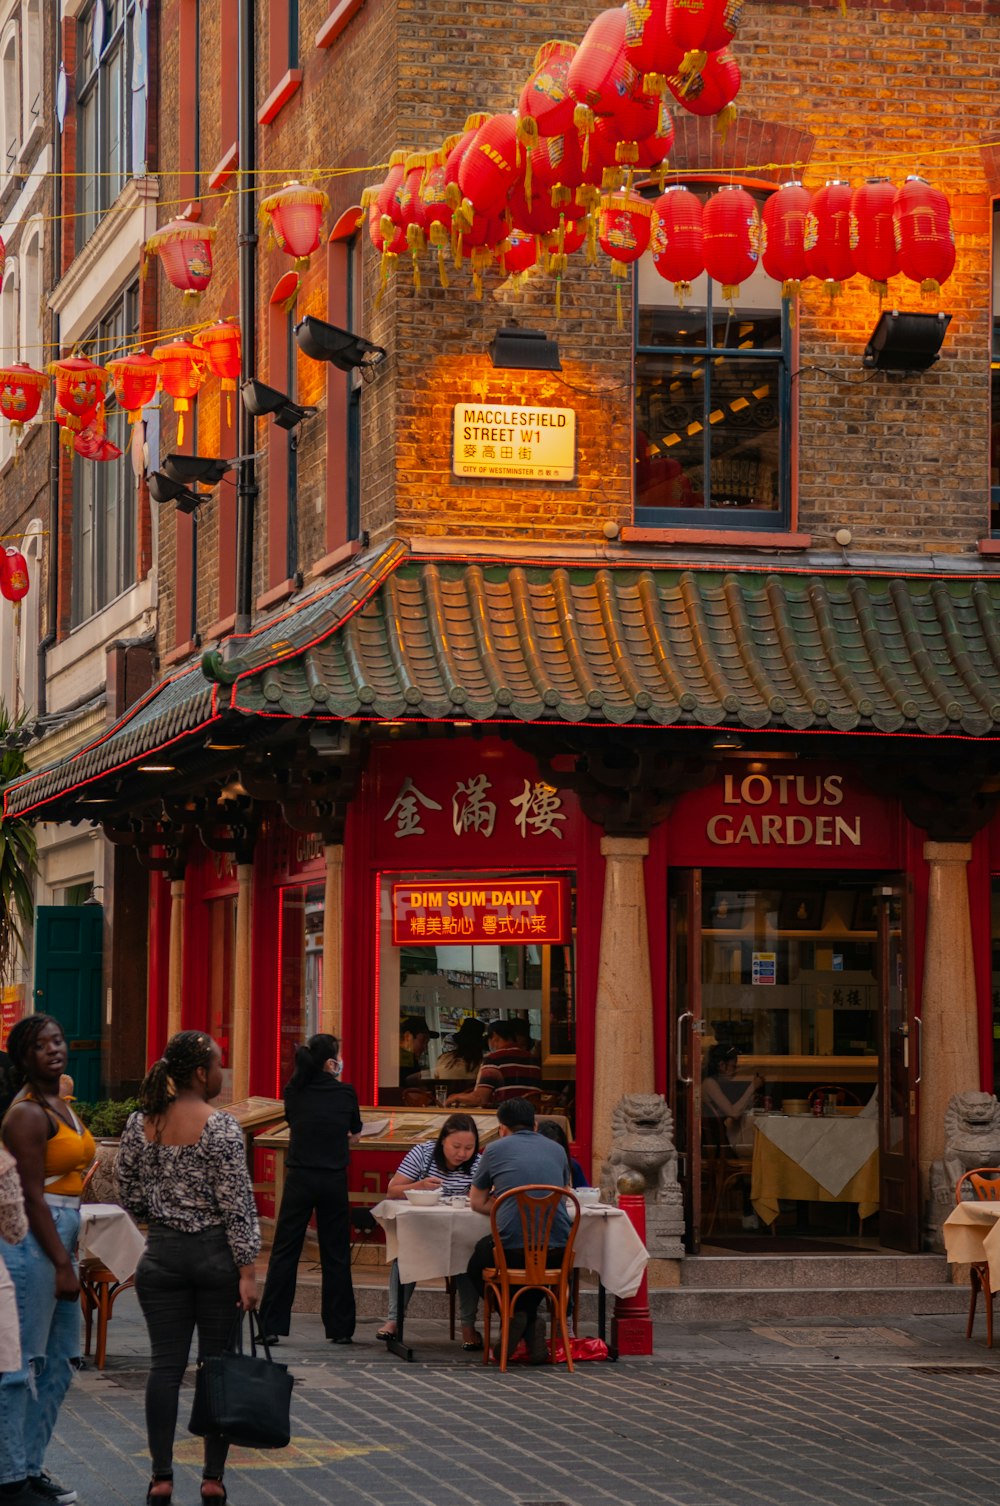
x: 601, y: 74
x: 93, y: 444
x: 623, y: 231
x: 828, y: 234
x: 14, y: 582
x: 133, y: 379
x: 294, y: 216
x: 182, y: 371
x: 872, y: 233
x: 459, y: 147
x: 534, y: 216
x: 479, y: 246
x: 730, y: 237
x: 518, y: 255
x: 222, y: 343
x: 923, y: 234
x: 491, y: 164
x: 784, y: 253
x: 557, y: 167
x: 654, y: 150
x: 702, y: 26
x: 676, y: 241
x: 185, y: 251
x: 409, y: 213
x: 546, y: 106
x: 80, y: 387
x: 434, y: 213
x: 21, y: 389
x: 710, y: 89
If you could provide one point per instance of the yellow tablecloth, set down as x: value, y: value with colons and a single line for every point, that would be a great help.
x: 972, y: 1234
x: 775, y: 1176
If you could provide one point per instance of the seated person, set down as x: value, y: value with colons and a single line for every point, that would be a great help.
x: 449, y: 1162
x: 722, y: 1098
x: 465, y: 1055
x: 519, y: 1158
x: 507, y: 1071
x: 553, y: 1131
x: 414, y: 1033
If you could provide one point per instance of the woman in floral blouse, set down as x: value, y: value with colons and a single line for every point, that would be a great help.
x: 13, y: 1228
x: 182, y: 1167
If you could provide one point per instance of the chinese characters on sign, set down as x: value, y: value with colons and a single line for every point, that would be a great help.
x: 487, y: 911
x: 537, y: 444
x: 538, y: 809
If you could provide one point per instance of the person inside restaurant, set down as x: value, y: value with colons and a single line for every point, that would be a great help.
x: 463, y: 1058
x: 414, y: 1033
x: 508, y: 1070
x: 724, y: 1107
x: 449, y: 1162
x: 519, y: 1158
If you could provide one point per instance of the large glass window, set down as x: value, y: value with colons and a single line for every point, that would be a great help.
x: 712, y: 402
x: 300, y: 944
x: 105, y: 44
x: 105, y: 496
x: 436, y: 1003
x: 221, y: 981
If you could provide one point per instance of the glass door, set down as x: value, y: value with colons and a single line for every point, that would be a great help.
x: 684, y: 1037
x: 899, y: 1074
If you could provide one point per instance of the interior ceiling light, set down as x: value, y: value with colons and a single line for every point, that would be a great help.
x: 157, y: 768
x: 726, y: 741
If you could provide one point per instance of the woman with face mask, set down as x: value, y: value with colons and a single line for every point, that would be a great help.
x: 325, y: 1121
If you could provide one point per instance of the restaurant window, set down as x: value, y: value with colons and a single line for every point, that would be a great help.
x: 105, y: 496
x: 712, y: 403
x: 456, y: 990
x: 995, y: 380
x: 105, y: 44
x: 300, y: 978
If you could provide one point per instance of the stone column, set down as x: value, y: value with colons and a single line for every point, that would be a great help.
x: 950, y: 1045
x: 240, y: 1054
x: 623, y: 1025
x: 331, y: 1008
x: 175, y: 958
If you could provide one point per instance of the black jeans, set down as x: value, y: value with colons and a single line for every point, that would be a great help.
x: 482, y: 1259
x: 183, y: 1281
x: 325, y: 1193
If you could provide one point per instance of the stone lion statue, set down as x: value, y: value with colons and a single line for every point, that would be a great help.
x: 971, y: 1139
x: 642, y: 1129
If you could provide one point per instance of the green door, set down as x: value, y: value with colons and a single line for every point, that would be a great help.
x: 68, y: 947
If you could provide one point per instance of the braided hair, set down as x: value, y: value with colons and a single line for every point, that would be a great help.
x: 21, y: 1043
x: 183, y: 1055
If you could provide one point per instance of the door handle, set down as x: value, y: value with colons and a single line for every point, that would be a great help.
x: 687, y: 1015
x: 920, y: 1046
x: 904, y: 1031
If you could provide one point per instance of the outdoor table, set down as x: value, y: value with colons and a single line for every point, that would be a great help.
x: 972, y: 1234
x: 108, y: 1234
x: 821, y: 1159
x: 439, y: 1241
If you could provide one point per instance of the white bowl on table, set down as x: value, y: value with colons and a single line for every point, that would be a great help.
x: 587, y: 1196
x: 423, y: 1197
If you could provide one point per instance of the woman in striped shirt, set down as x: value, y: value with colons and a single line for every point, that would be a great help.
x: 449, y: 1162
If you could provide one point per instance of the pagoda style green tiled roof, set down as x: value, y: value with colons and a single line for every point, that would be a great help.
x: 408, y: 636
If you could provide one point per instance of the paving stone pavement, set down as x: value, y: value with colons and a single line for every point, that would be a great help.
x: 843, y: 1413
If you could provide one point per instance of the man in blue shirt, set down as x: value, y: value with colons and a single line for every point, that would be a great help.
x: 519, y: 1158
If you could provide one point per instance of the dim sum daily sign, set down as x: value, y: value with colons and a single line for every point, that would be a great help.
x: 481, y: 912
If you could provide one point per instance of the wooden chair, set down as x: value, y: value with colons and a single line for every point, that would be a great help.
x: 99, y: 1291
x: 842, y: 1095
x: 504, y: 1286
x: 984, y: 1183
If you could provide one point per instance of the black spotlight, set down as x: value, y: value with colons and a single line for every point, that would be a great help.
x: 325, y: 342
x: 163, y: 489
x: 905, y: 342
x: 190, y: 469
x: 261, y: 401
x: 529, y: 349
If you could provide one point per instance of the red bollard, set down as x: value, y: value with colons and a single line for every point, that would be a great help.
x: 632, y: 1324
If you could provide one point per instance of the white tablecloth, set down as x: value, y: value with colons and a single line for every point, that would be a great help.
x: 829, y: 1149
x: 972, y: 1233
x: 438, y: 1241
x: 108, y: 1234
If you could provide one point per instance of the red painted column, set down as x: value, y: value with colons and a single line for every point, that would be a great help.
x: 632, y: 1324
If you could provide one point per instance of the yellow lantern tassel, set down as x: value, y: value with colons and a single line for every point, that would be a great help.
x: 655, y: 84
x: 620, y: 317
x: 591, y: 257
x: 180, y: 408
x: 388, y: 257
x: 558, y: 298
x: 725, y: 118
x: 416, y: 242
x: 527, y: 176
x: 583, y: 119
x: 560, y: 195
x: 442, y: 268
x: 527, y: 132
x: 682, y: 290
x: 930, y: 285
x: 693, y: 62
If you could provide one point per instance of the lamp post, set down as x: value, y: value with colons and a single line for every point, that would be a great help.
x: 246, y: 468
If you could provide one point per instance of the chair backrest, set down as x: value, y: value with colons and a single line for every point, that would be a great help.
x: 842, y: 1095
x: 537, y: 1206
x: 984, y: 1183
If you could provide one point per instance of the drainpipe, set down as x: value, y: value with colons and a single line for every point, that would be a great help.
x: 246, y: 467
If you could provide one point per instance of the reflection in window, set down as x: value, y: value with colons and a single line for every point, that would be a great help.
x: 106, y: 42
x: 9, y: 75
x: 711, y: 404
x: 221, y: 983
x: 300, y: 980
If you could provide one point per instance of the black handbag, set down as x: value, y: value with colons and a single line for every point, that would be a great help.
x: 245, y: 1397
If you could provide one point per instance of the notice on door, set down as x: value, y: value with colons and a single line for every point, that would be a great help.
x: 529, y: 444
x: 764, y: 967
x: 489, y: 912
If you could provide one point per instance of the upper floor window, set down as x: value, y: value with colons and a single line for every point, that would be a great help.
x: 105, y: 46
x: 712, y: 403
x: 33, y: 45
x: 105, y: 493
x: 10, y: 82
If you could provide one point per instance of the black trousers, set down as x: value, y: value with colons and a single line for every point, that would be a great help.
x: 482, y: 1259
x: 183, y: 1282
x: 325, y: 1194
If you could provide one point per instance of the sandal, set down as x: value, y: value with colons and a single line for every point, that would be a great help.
x: 163, y: 1499
x: 471, y: 1346
x: 213, y: 1480
x: 386, y: 1333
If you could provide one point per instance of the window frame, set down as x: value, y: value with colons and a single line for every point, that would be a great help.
x: 94, y: 83
x: 11, y: 83
x: 723, y: 519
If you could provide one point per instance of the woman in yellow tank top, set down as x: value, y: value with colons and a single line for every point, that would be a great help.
x: 52, y: 1150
